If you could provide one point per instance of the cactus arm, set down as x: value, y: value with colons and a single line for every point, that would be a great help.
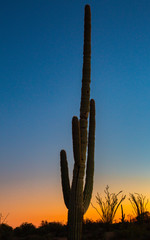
x: 90, y: 159
x: 76, y: 140
x: 86, y: 79
x: 77, y: 156
x: 65, y: 177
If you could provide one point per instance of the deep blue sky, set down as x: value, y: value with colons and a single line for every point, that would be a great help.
x: 41, y: 46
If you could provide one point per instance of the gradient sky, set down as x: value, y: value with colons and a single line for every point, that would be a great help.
x: 41, y: 46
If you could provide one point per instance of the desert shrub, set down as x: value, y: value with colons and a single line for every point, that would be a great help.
x: 25, y: 229
x: 6, y: 232
x: 139, y: 205
x: 92, y: 230
x: 108, y: 208
x: 89, y: 225
x: 56, y: 228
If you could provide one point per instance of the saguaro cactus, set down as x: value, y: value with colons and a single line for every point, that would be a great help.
x: 77, y: 197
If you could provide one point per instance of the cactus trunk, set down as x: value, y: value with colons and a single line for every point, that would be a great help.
x: 77, y: 197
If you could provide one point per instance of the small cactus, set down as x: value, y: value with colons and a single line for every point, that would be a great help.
x: 77, y: 196
x: 122, y: 215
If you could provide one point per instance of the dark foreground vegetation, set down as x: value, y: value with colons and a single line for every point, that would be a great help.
x: 133, y: 230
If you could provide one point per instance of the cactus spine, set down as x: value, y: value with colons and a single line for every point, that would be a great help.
x: 77, y: 196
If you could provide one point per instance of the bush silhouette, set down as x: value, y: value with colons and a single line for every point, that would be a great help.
x: 110, y: 206
x: 139, y: 204
x: 25, y: 229
x: 52, y: 227
x: 6, y: 232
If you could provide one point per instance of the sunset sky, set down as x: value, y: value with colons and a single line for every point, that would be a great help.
x: 41, y: 50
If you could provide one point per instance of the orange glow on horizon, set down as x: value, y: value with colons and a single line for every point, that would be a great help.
x: 59, y: 215
x: 34, y: 203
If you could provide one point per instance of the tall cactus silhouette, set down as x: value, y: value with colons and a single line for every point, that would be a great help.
x: 77, y: 197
